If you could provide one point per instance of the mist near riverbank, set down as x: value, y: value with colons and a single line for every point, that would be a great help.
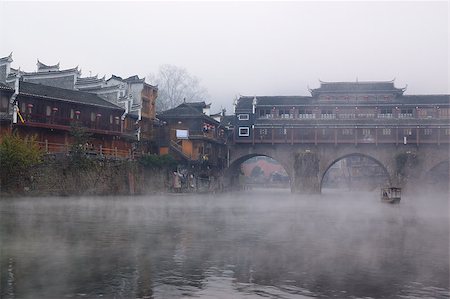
x: 250, y: 244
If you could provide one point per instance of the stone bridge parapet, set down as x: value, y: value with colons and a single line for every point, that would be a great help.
x: 404, y: 165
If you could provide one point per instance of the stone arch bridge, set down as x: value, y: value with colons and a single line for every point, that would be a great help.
x: 306, y: 165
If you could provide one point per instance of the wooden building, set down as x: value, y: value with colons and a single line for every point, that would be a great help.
x: 344, y: 112
x: 133, y: 94
x: 50, y: 114
x: 191, y: 134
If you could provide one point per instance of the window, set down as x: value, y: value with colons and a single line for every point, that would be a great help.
x: 305, y: 113
x: 282, y: 131
x: 347, y: 132
x: 265, y: 113
x: 444, y: 113
x: 385, y: 113
x: 406, y: 113
x: 4, y: 104
x: 407, y: 132
x: 386, y: 131
x: 262, y: 131
x: 243, y: 117
x: 283, y: 113
x: 347, y: 115
x: 244, y: 131
x: 428, y: 131
x: 327, y: 114
x: 366, y: 132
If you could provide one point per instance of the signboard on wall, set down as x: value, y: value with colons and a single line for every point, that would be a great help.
x: 182, y: 134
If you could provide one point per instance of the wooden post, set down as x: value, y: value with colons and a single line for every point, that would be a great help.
x: 253, y: 135
x: 356, y: 136
x: 46, y: 146
x: 101, y: 150
x: 396, y: 136
x: 115, y: 152
x: 376, y: 136
x: 439, y: 136
x: 273, y: 134
x: 417, y: 136
x: 129, y: 153
x: 335, y: 136
x: 292, y: 136
x: 315, y: 136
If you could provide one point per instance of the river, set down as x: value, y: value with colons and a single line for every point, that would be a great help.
x: 250, y: 244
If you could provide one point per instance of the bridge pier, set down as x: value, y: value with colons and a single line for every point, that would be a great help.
x: 305, y: 177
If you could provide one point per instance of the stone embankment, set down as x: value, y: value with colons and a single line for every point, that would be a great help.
x: 64, y: 176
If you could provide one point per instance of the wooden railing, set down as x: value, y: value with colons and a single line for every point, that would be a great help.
x: 59, y: 148
x: 350, y: 135
x: 99, y: 124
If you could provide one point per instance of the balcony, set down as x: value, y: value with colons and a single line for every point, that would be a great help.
x: 61, y: 123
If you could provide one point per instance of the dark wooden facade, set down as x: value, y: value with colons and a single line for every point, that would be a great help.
x: 206, y: 136
x: 50, y: 113
x: 345, y: 112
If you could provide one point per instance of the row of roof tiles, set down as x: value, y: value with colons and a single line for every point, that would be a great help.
x: 61, y: 94
x: 246, y: 102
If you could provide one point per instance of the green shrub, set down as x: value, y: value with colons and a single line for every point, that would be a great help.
x: 155, y: 161
x: 17, y: 155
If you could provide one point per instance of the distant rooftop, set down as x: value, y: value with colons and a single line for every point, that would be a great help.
x: 357, y: 87
x: 27, y: 88
x: 41, y: 67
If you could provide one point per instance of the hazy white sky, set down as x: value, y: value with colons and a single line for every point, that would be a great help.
x: 248, y: 48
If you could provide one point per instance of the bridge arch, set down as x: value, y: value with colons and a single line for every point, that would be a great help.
x: 330, y: 164
x: 232, y: 171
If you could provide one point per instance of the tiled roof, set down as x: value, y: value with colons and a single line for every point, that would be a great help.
x: 5, y: 87
x: 425, y: 99
x: 39, y: 90
x: 356, y: 87
x: 228, y: 120
x: 7, y: 58
x: 42, y: 66
x: 89, y: 80
x: 184, y: 110
x: 198, y: 105
x: 181, y: 110
x: 134, y: 79
x: 72, y: 70
x: 244, y: 103
x: 115, y: 77
x: 283, y: 100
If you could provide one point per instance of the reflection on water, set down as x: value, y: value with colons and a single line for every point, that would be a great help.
x: 245, y: 245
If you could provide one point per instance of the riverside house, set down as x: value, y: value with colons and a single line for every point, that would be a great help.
x: 50, y: 113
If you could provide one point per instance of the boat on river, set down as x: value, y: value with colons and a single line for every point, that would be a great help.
x: 391, y: 194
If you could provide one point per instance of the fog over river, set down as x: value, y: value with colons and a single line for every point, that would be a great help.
x: 264, y: 243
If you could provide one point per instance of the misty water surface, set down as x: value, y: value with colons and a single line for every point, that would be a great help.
x: 253, y: 244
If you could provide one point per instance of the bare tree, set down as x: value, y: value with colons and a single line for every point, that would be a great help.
x: 175, y: 84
